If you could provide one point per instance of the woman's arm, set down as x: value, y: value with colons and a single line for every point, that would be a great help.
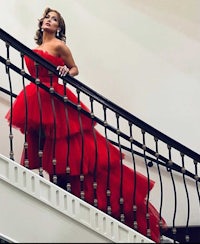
x: 65, y: 53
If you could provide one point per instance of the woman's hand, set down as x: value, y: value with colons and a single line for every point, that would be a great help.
x: 63, y: 70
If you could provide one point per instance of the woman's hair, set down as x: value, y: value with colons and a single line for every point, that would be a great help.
x: 61, y: 34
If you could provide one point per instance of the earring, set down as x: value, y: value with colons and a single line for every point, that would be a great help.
x: 42, y: 29
x: 58, y: 32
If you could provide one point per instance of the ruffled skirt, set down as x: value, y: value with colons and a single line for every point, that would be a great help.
x: 78, y: 146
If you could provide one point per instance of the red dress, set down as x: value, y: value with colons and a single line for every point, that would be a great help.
x: 80, y: 154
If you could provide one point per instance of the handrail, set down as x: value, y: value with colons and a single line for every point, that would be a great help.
x: 148, y: 154
x: 101, y: 99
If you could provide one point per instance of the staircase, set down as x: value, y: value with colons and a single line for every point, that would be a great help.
x: 33, y: 203
x: 35, y: 210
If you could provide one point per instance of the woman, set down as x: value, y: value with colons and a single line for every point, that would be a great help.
x: 74, y: 153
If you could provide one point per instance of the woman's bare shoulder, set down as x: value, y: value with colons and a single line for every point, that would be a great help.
x: 62, y: 47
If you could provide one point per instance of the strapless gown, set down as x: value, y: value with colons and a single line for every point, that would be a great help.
x: 78, y: 150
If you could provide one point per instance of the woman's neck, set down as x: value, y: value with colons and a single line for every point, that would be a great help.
x: 47, y: 37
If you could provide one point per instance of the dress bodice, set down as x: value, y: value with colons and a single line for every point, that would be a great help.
x: 42, y: 71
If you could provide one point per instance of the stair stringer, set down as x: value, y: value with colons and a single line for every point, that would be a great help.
x: 35, y: 210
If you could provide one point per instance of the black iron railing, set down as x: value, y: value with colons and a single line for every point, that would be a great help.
x: 158, y: 152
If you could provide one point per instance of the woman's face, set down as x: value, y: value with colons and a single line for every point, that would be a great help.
x: 50, y: 22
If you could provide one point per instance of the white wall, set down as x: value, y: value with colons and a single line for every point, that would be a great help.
x: 147, y: 50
